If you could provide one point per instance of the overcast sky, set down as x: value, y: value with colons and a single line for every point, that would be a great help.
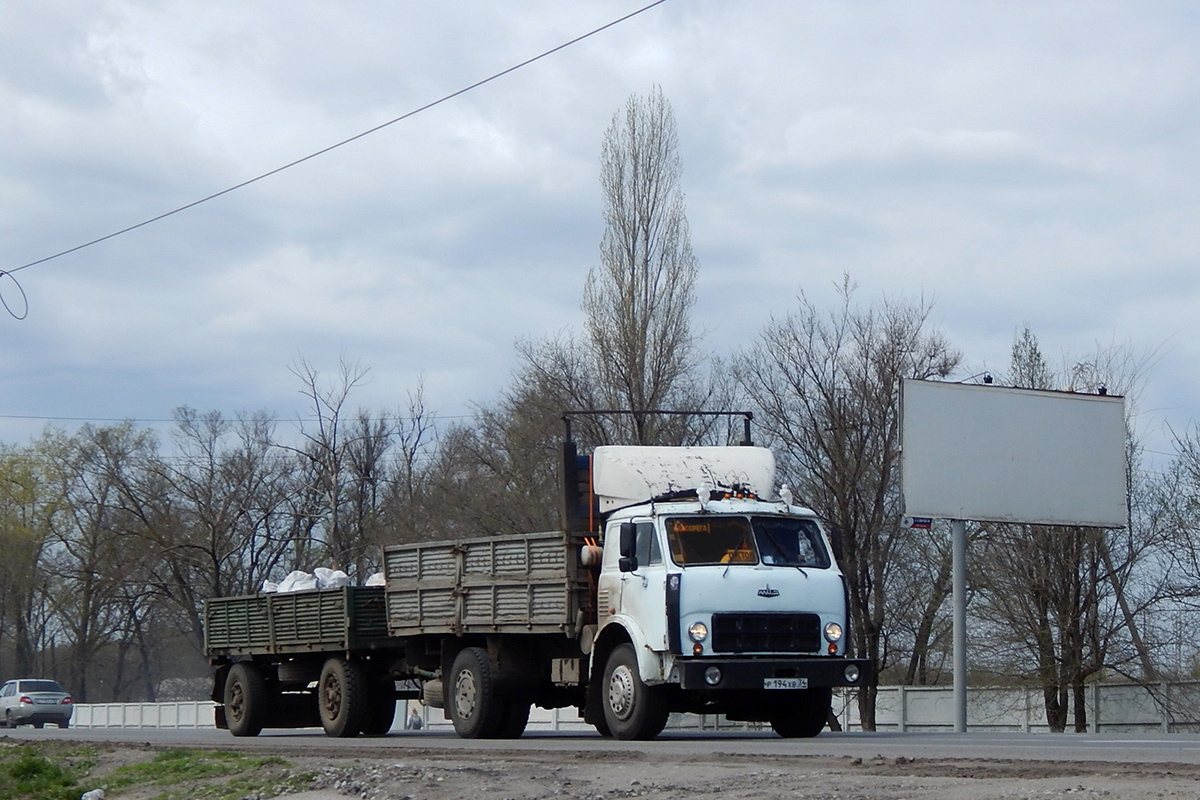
x: 1016, y: 163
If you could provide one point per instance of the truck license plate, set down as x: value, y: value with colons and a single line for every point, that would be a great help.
x: 785, y: 683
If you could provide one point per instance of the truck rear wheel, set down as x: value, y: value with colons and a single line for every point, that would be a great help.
x: 342, y: 697
x: 381, y: 706
x: 516, y: 717
x: 475, y: 708
x: 632, y: 709
x: 804, y: 716
x: 245, y: 700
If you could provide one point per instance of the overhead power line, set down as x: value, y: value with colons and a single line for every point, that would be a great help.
x: 342, y: 143
x: 163, y: 420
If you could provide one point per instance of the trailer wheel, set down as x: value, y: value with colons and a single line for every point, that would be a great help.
x: 342, y: 697
x: 381, y: 706
x: 245, y: 700
x: 475, y: 708
x: 805, y: 716
x: 632, y: 709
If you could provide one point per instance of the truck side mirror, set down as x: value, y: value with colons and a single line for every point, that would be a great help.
x: 628, y: 547
x: 835, y: 538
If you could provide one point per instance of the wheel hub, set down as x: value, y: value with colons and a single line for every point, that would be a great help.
x: 237, y: 701
x: 620, y: 692
x: 332, y: 696
x: 464, y: 694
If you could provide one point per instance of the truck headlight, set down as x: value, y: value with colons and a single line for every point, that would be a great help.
x: 697, y: 631
x: 833, y: 632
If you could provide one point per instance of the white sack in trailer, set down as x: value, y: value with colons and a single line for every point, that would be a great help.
x: 997, y: 454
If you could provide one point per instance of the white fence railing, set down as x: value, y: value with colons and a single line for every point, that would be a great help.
x: 1111, y: 707
x: 182, y: 714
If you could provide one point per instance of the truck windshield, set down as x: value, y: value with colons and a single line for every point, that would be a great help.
x: 775, y: 541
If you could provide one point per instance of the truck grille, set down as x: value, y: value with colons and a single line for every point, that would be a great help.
x: 766, y: 633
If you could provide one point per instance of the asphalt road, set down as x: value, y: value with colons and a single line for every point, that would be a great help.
x: 1112, y: 748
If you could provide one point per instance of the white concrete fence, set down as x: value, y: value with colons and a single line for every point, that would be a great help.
x: 1111, y: 708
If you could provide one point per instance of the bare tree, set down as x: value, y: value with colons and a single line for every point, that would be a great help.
x: 215, y: 512
x: 1061, y: 604
x: 638, y: 302
x: 920, y: 638
x: 340, y: 459
x: 826, y: 387
x: 95, y: 549
x: 637, y: 352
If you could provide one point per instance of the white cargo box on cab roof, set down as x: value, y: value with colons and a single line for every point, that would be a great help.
x: 625, y: 475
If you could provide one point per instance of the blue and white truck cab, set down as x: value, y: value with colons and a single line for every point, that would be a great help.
x: 712, y: 598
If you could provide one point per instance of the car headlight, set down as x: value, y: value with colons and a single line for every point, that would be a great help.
x: 833, y: 632
x: 698, y: 631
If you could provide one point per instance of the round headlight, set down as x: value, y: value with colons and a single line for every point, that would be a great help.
x: 833, y: 632
x: 852, y: 674
x: 712, y: 676
x: 698, y: 631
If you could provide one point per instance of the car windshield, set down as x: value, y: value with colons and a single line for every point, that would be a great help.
x: 39, y: 686
x: 774, y: 541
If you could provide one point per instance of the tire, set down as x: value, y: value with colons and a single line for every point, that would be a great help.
x: 433, y: 694
x: 64, y: 724
x: 342, y: 697
x: 381, y: 706
x: 633, y: 710
x: 602, y: 728
x: 805, y: 716
x: 245, y: 700
x: 475, y: 708
x: 516, y: 717
x: 39, y: 725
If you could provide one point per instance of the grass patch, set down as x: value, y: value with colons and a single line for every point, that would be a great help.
x: 214, y: 774
x: 27, y: 773
x: 49, y: 772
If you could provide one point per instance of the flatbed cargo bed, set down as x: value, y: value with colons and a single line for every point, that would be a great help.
x: 523, y: 583
x: 348, y: 619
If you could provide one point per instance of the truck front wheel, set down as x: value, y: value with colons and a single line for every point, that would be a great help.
x: 632, y: 709
x: 804, y: 716
x: 245, y: 700
x: 342, y: 697
x: 475, y: 708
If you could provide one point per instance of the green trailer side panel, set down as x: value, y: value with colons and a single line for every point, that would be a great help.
x: 348, y: 618
x: 524, y: 583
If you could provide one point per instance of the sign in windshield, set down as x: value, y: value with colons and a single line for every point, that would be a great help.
x: 773, y: 541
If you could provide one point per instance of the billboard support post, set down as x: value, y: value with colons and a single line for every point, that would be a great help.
x: 958, y: 531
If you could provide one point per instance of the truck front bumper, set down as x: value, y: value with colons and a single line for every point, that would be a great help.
x: 718, y: 674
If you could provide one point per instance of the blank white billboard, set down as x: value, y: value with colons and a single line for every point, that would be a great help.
x: 996, y: 454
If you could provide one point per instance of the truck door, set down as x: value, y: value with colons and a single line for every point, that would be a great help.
x: 643, y: 591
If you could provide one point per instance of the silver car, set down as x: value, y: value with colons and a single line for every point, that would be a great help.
x: 34, y: 702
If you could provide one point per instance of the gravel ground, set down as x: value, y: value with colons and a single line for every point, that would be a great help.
x: 432, y: 774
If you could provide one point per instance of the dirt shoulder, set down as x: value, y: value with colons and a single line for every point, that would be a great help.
x: 432, y: 774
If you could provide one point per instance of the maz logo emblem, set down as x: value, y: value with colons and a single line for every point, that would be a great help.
x: 768, y: 592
